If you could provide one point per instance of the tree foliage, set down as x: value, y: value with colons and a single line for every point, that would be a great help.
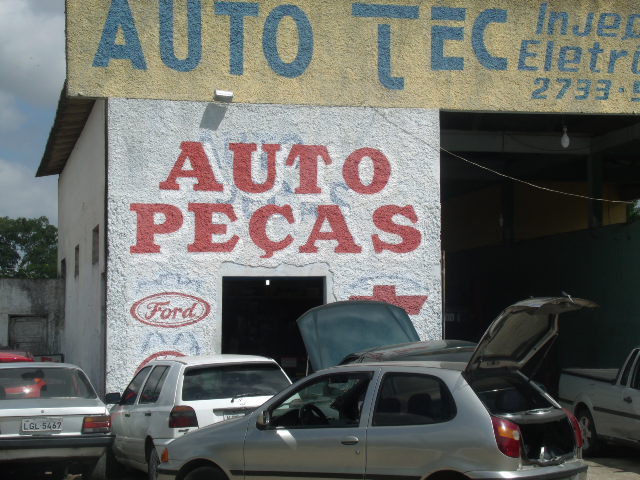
x: 28, y: 248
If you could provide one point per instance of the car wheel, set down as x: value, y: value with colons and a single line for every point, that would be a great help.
x: 154, y: 461
x: 591, y: 443
x: 206, y: 473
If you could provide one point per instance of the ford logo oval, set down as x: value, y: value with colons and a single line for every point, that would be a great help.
x: 170, y: 310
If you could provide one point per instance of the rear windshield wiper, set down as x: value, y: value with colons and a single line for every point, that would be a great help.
x: 248, y: 394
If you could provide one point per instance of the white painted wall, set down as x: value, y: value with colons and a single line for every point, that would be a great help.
x: 81, y: 208
x: 145, y: 138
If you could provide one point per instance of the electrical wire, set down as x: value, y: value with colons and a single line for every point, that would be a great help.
x: 539, y: 187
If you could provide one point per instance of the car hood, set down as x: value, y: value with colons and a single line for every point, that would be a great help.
x: 330, y: 332
x: 520, y: 332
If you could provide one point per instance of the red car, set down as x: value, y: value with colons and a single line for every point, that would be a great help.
x: 15, y: 356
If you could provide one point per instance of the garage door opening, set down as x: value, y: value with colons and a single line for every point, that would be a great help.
x: 259, y: 317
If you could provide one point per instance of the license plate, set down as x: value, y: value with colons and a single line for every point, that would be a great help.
x: 41, y: 425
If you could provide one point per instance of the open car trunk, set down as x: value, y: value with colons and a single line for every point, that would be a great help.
x: 547, y: 435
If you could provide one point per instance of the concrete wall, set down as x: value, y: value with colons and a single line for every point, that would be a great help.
x: 81, y: 209
x: 200, y: 191
x: 39, y: 298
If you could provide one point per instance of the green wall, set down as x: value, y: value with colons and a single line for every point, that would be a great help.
x: 602, y: 265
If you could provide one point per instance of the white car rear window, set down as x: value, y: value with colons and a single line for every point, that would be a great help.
x: 228, y: 381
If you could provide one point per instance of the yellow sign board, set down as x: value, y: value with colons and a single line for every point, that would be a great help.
x: 504, y: 55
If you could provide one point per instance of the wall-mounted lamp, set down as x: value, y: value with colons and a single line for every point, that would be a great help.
x: 565, y: 141
x: 223, y: 95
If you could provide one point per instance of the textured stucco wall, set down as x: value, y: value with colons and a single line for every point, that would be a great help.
x: 146, y: 140
x: 39, y: 298
x: 506, y: 55
x: 80, y: 210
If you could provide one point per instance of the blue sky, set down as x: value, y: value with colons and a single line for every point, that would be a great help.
x: 32, y: 72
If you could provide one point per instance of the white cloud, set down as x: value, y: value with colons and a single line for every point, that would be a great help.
x: 32, y: 51
x: 11, y: 117
x: 24, y: 195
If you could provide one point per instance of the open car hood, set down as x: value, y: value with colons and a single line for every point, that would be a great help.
x: 330, y: 332
x: 520, y: 332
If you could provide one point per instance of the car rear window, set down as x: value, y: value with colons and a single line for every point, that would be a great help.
x: 34, y: 382
x: 227, y: 381
x: 508, y: 394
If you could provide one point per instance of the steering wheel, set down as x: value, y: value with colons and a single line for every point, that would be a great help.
x: 310, y: 414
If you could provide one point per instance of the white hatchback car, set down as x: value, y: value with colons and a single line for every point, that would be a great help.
x: 171, y: 396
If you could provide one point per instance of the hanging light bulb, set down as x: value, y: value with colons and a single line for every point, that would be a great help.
x: 565, y: 141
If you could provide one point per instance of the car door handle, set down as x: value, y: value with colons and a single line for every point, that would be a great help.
x: 350, y: 440
x: 147, y: 414
x: 627, y: 399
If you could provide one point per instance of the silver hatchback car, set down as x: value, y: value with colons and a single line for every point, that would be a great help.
x: 484, y: 419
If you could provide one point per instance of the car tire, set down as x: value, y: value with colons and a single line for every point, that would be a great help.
x: 152, y: 465
x: 591, y: 443
x: 206, y: 473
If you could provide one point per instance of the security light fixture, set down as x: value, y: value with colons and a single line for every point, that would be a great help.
x: 223, y: 95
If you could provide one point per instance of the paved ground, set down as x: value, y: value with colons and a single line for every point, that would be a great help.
x: 618, y: 464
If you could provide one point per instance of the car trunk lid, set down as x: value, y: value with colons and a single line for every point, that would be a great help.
x: 520, y: 332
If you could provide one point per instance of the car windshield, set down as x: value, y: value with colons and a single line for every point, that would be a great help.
x: 49, y: 382
x: 229, y: 381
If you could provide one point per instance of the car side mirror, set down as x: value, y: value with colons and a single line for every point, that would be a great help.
x: 263, y: 421
x: 111, y: 398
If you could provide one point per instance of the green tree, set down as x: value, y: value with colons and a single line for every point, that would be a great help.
x: 28, y: 248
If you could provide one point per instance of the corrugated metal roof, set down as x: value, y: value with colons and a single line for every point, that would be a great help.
x: 71, y: 116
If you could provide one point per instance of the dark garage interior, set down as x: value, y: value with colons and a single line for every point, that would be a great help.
x: 504, y: 239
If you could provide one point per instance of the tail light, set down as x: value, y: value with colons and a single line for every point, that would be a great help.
x: 97, y: 424
x: 507, y: 436
x: 182, y: 416
x: 576, y: 427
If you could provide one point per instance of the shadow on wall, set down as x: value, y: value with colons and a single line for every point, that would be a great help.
x: 213, y: 116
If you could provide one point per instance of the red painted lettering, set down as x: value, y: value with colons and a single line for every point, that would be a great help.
x: 242, y: 171
x: 258, y: 228
x: 205, y: 227
x: 339, y: 231
x: 147, y: 228
x: 308, y: 155
x: 383, y: 219
x: 200, y: 169
x: 381, y: 171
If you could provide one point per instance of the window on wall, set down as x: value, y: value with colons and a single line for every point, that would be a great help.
x: 95, y: 245
x: 76, y: 266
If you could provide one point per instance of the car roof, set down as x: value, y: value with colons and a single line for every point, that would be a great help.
x: 455, y: 366
x: 219, y: 359
x: 38, y: 365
